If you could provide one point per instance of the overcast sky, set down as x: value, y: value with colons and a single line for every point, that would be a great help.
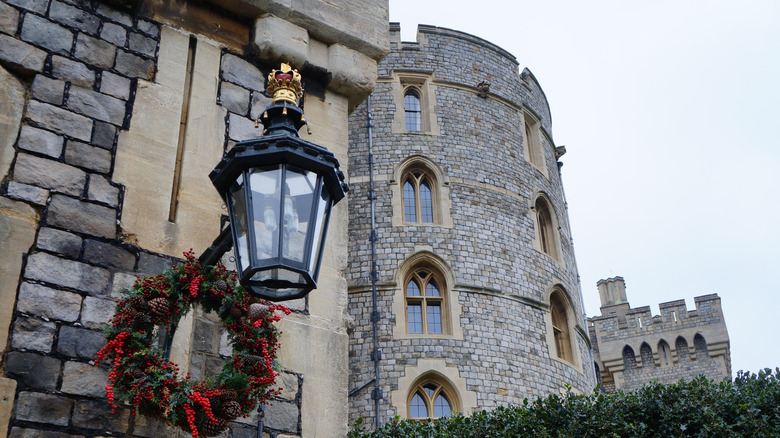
x: 669, y: 113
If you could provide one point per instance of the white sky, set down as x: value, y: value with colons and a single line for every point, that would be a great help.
x: 669, y: 112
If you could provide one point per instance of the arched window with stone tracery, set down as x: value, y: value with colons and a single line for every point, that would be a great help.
x: 432, y: 397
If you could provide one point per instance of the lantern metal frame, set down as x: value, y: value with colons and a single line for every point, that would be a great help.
x: 280, y: 146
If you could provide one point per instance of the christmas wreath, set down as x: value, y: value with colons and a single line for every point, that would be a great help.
x: 141, y: 375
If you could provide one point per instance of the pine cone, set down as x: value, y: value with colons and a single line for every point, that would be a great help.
x: 159, y: 307
x: 138, y: 302
x: 139, y: 321
x: 236, y: 312
x: 229, y: 394
x: 213, y: 429
x: 215, y: 403
x: 137, y: 374
x: 257, y: 311
x: 132, y: 311
x: 221, y: 285
x: 231, y: 410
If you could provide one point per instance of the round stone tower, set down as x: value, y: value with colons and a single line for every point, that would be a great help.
x: 478, y: 302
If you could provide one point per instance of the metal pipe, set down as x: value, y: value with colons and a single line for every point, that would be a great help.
x: 376, y: 355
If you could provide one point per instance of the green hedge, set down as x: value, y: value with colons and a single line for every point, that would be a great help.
x: 747, y: 407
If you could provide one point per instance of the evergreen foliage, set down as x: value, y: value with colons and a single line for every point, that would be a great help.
x: 747, y: 407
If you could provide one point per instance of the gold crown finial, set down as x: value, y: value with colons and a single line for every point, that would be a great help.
x: 285, y: 84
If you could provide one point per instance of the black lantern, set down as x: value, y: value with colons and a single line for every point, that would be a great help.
x: 279, y: 190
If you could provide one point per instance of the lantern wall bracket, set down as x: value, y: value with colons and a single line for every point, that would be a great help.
x: 218, y: 248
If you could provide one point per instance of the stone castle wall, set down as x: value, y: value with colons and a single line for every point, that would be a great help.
x: 697, y: 343
x: 94, y: 103
x: 485, y: 237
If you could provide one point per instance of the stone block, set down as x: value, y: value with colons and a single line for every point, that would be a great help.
x: 27, y: 193
x: 87, y: 156
x: 67, y: 273
x: 33, y: 334
x: 9, y: 19
x: 247, y: 432
x: 104, y: 135
x: 134, y: 66
x: 204, y: 366
x: 96, y: 414
x: 83, y: 217
x: 49, y: 174
x: 97, y: 105
x: 101, y: 190
x: 149, y: 28
x: 114, y: 34
x: 259, y: 103
x: 41, y: 141
x: 84, y: 379
x: 58, y: 241
x: 48, y: 90
x: 108, y: 255
x: 277, y: 39
x: 141, y: 44
x: 68, y: 15
x: 34, y: 370
x: 74, y: 72
x: 234, y: 98
x: 282, y: 416
x: 21, y: 54
x: 204, y: 336
x: 115, y: 85
x: 95, y: 312
x: 20, y: 432
x: 115, y: 15
x: 241, y: 72
x: 37, y: 6
x: 79, y: 342
x: 43, y: 33
x: 122, y: 280
x: 94, y: 51
x: 242, y: 128
x: 59, y: 120
x: 43, y: 408
x: 153, y: 264
x: 289, y: 384
x: 353, y: 73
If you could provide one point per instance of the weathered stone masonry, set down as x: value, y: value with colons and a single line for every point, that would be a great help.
x: 500, y: 282
x: 632, y: 347
x: 71, y: 72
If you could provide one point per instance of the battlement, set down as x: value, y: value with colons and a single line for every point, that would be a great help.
x: 622, y: 322
x: 632, y: 346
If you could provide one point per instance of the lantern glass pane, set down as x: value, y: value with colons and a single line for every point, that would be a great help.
x: 299, y: 194
x: 237, y: 201
x: 320, y: 224
x: 279, y: 274
x: 265, y: 184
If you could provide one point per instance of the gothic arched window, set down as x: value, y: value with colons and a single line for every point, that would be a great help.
x: 560, y: 326
x: 647, y: 355
x: 629, y: 358
x: 664, y: 353
x: 412, y: 110
x: 545, y: 226
x: 425, y: 301
x: 419, y: 186
x: 432, y: 398
x: 701, y: 346
x: 681, y: 345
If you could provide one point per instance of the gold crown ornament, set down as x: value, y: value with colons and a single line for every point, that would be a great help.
x: 285, y: 85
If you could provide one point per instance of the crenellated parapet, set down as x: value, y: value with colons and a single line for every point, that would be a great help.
x: 633, y: 346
